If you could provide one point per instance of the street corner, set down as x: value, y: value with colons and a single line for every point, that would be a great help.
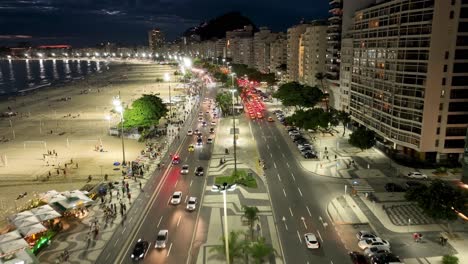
x: 343, y: 211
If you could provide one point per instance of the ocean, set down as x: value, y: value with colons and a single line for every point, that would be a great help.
x: 20, y: 76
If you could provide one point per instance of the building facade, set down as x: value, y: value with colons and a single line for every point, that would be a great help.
x: 312, y: 53
x: 261, y: 44
x: 409, y: 76
x: 278, y: 54
x: 294, y: 35
x: 155, y: 39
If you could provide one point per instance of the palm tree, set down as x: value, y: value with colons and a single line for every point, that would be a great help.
x: 345, y: 119
x: 259, y: 250
x: 320, y: 76
x: 251, y: 215
x: 237, y: 246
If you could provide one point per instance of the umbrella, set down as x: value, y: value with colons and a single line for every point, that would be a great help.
x: 48, y: 215
x: 116, y: 163
x: 13, y: 246
x: 42, y: 209
x: 9, y: 236
x: 32, y: 229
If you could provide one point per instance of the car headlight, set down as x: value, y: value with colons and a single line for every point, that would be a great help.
x: 141, y: 255
x: 133, y: 256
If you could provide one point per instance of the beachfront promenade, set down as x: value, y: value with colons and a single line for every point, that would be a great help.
x: 51, y: 143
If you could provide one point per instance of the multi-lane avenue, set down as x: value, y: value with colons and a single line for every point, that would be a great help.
x: 299, y: 198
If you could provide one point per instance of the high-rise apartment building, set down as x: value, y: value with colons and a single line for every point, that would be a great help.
x: 312, y: 53
x: 155, y: 39
x: 261, y: 44
x: 278, y: 54
x: 293, y: 48
x: 233, y: 42
x: 334, y: 45
x: 409, y: 76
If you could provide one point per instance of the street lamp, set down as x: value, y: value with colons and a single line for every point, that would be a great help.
x: 119, y: 108
x: 234, y: 127
x: 224, y: 188
x: 167, y: 78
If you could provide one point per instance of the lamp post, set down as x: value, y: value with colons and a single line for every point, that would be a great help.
x: 118, y: 107
x: 167, y: 78
x: 234, y: 126
x: 224, y: 188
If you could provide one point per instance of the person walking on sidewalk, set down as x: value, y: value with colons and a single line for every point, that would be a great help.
x: 415, y: 237
x: 139, y: 184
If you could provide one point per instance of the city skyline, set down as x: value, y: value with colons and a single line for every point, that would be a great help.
x: 86, y: 23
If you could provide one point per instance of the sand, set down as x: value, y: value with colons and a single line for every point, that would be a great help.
x: 72, y: 129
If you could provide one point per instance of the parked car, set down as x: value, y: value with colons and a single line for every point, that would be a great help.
x: 388, y: 258
x: 309, y: 155
x: 370, y: 242
x: 357, y: 258
x: 393, y: 187
x: 363, y: 234
x: 375, y: 251
x: 416, y: 175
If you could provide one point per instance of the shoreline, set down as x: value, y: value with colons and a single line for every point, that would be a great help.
x: 47, y: 120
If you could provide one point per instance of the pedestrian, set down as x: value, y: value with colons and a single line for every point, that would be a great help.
x: 123, y: 190
x: 118, y: 194
x: 126, y: 185
x: 71, y: 161
x: 50, y: 174
x: 129, y: 196
x: 140, y: 184
x: 58, y: 172
x: 65, y: 165
x: 77, y: 165
x: 415, y: 237
x: 420, y: 236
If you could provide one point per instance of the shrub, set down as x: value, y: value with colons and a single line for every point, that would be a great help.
x: 449, y: 259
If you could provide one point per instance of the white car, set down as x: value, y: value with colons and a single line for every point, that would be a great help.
x: 161, y: 239
x: 371, y: 242
x: 200, y: 113
x: 416, y: 175
x: 311, y: 241
x: 209, y: 141
x: 213, y: 123
x: 176, y: 197
x: 375, y: 250
x: 189, y: 132
x: 192, y: 203
x: 184, y: 169
x: 363, y: 234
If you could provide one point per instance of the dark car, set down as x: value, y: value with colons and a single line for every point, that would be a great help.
x: 140, y: 249
x: 385, y: 258
x: 298, y: 138
x: 212, y: 130
x: 301, y: 141
x: 413, y: 184
x: 309, y: 155
x: 393, y: 187
x: 357, y: 258
x: 199, y: 141
x: 199, y: 171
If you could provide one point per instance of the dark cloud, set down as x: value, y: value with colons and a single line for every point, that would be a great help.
x: 87, y: 22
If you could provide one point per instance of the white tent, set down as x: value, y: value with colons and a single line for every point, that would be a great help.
x: 21, y: 215
x: 42, y: 209
x: 12, y: 246
x: 10, y: 236
x: 26, y: 221
x: 32, y: 229
x: 48, y: 215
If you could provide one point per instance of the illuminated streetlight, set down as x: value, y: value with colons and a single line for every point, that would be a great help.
x: 119, y: 108
x: 187, y: 63
x: 167, y: 78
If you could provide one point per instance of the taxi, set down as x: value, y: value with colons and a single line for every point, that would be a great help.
x: 191, y: 148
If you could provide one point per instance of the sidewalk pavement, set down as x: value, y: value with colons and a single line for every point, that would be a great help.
x: 246, y: 153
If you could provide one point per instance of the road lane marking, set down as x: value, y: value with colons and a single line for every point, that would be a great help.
x: 274, y: 164
x: 283, y: 155
x: 130, y: 219
x: 160, y: 219
x: 268, y: 146
x: 290, y: 211
x: 169, y: 251
x: 186, y: 197
x: 271, y: 155
x: 279, y: 178
x: 176, y: 183
x: 299, y: 236
x: 299, y: 191
x: 123, y: 231
x: 284, y: 192
x: 178, y: 221
x: 294, y: 178
x: 191, y: 183
x: 318, y: 232
x: 108, y: 255
x: 287, y: 164
x: 303, y: 221
x: 308, y: 210
x: 115, y: 244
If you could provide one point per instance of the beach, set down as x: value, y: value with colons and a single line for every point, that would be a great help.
x: 50, y: 144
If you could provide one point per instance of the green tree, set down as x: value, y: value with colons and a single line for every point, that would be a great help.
x: 298, y: 95
x: 362, y: 138
x: 224, y: 101
x: 259, y: 250
x: 145, y: 112
x: 449, y: 259
x: 320, y: 76
x: 237, y: 246
x: 251, y: 216
x: 344, y: 118
x: 439, y: 201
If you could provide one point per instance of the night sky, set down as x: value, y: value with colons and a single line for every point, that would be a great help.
x: 88, y: 22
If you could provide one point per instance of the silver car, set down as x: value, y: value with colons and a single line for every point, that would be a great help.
x: 161, y: 239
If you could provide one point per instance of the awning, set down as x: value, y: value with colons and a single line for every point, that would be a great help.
x: 26, y: 221
x: 12, y: 246
x: 13, y: 235
x: 32, y: 229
